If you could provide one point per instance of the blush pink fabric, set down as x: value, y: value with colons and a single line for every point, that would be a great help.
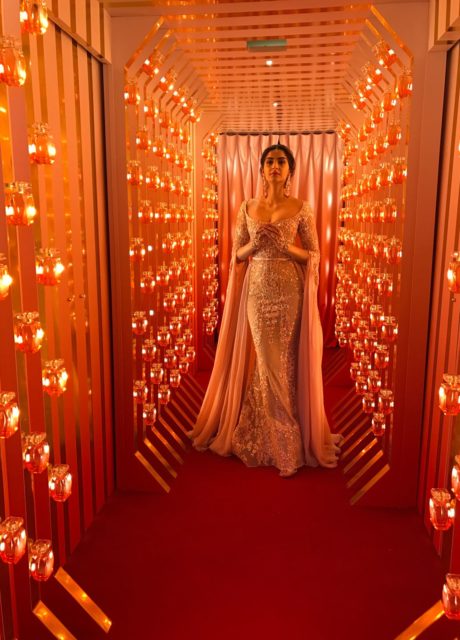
x: 316, y: 180
x: 232, y: 370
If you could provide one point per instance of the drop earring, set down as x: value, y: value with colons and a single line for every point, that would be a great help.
x: 287, y: 187
x: 264, y: 186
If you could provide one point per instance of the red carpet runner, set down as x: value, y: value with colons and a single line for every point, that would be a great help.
x: 241, y: 553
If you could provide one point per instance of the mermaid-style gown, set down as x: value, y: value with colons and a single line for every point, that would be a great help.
x: 259, y: 403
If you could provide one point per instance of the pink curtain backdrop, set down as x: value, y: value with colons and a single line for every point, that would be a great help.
x: 317, y: 180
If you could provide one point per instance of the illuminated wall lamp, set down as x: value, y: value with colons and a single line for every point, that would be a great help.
x: 149, y: 414
x: 5, y: 279
x: 35, y: 452
x: 442, y: 509
x: 13, y: 540
x: 28, y: 333
x: 451, y: 596
x: 19, y: 203
x: 455, y: 477
x: 449, y: 395
x: 41, y: 560
x: 49, y: 267
x: 12, y: 62
x: 54, y: 377
x: 453, y: 273
x: 59, y: 482
x: 33, y: 16
x: 42, y: 149
x: 9, y: 414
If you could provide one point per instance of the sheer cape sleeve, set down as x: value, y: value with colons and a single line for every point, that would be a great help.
x: 320, y: 446
x: 221, y: 406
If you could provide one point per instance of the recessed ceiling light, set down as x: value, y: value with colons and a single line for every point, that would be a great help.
x: 269, y: 63
x: 275, y: 104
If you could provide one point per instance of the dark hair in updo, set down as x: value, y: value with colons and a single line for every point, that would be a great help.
x: 281, y: 147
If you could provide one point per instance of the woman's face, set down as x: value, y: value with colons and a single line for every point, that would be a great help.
x: 276, y: 166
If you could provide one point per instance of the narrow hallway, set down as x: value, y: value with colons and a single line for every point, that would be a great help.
x: 233, y: 552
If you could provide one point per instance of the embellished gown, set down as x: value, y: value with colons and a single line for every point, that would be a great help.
x: 264, y: 401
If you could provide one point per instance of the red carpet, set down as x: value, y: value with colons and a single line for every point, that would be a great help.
x: 241, y: 553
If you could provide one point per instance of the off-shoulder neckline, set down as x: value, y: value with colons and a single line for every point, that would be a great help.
x: 304, y: 206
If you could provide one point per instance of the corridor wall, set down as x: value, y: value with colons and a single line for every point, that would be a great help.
x: 69, y: 298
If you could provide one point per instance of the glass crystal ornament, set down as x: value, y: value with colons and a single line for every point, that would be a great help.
x: 5, y: 279
x: 381, y: 357
x: 41, y: 560
x: 134, y: 173
x: 33, y: 16
x: 163, y: 276
x: 137, y: 250
x: 175, y: 326
x: 148, y: 282
x: 190, y: 354
x: 394, y: 134
x: 139, y: 323
x: 451, y: 596
x: 28, y: 333
x: 140, y: 391
x: 151, y: 65
x: 54, y: 377
x: 170, y: 359
x: 163, y: 336
x: 442, y: 509
x: 13, y: 540
x: 183, y: 366
x: 174, y: 378
x: 386, y: 56
x: 149, y: 350
x: 35, y: 452
x: 145, y: 212
x: 164, y: 394
x: 42, y: 149
x: 405, y: 84
x: 12, y: 62
x: 169, y: 302
x: 48, y: 266
x: 361, y: 385
x: 59, y: 482
x: 455, y: 477
x: 9, y: 414
x: 149, y: 414
x: 386, y: 401
x: 167, y: 82
x: 368, y: 402
x: 19, y: 203
x: 131, y: 93
x: 378, y: 425
x: 156, y: 373
x: 449, y: 395
x: 453, y: 273
x: 389, y: 329
x: 143, y: 141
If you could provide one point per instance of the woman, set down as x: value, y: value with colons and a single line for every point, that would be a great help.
x: 264, y: 401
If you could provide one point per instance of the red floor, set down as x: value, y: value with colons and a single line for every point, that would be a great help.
x: 240, y: 553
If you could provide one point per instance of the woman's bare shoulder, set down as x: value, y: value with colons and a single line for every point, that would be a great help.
x: 297, y: 203
x: 252, y: 205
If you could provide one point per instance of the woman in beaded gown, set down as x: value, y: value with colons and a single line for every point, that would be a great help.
x: 264, y: 401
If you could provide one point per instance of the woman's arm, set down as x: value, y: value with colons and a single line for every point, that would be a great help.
x: 243, y: 253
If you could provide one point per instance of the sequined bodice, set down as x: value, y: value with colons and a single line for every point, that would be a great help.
x: 288, y: 227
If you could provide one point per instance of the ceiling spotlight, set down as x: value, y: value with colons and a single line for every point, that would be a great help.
x: 269, y: 63
x: 275, y: 104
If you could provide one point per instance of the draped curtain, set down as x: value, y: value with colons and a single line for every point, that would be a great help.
x: 316, y: 179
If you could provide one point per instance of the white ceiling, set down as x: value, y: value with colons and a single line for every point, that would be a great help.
x: 327, y: 43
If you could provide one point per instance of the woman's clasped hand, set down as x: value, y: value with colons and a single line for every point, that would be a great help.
x: 269, y: 234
